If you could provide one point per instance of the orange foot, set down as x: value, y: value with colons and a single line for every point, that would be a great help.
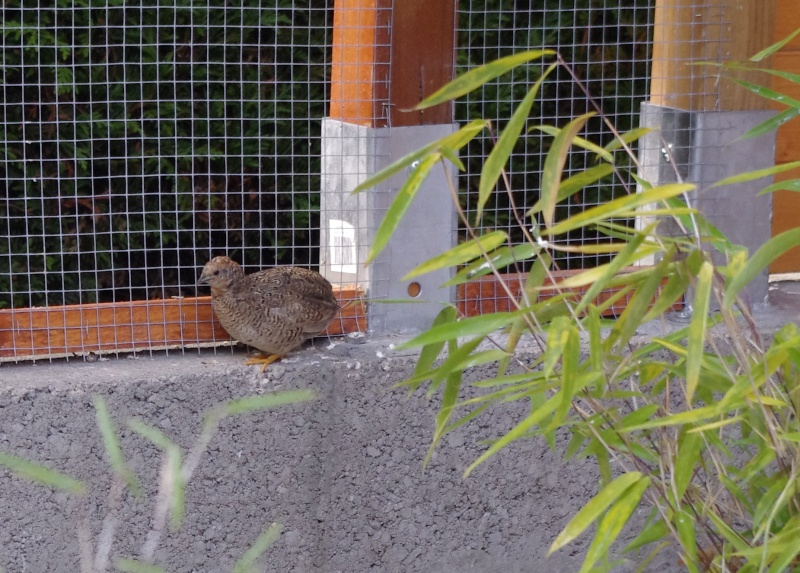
x: 263, y: 360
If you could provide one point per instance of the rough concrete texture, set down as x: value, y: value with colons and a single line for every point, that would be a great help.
x: 343, y: 474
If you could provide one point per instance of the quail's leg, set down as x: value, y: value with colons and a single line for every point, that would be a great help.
x: 263, y: 360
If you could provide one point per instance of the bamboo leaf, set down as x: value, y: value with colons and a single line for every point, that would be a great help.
x: 616, y: 206
x: 686, y: 458
x: 685, y: 524
x: 477, y: 77
x: 268, y: 401
x: 247, y: 562
x: 430, y: 352
x: 788, y: 185
x: 768, y: 93
x: 574, y: 184
x: 112, y: 447
x: 757, y: 174
x: 628, y: 137
x: 497, y: 259
x: 624, y: 258
x: 767, y: 253
x: 554, y: 165
x: 476, y: 325
x: 460, y: 254
x: 768, y: 51
x: 518, y: 431
x: 577, y: 141
x: 590, y: 512
x: 697, y: 329
x: 533, y: 281
x: 128, y: 565
x: 612, y: 523
x: 174, y: 461
x: 445, y: 145
x: 400, y: 205
x: 495, y: 163
x: 41, y: 474
x: 771, y: 124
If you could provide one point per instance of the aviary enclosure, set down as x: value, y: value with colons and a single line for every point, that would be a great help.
x: 139, y: 141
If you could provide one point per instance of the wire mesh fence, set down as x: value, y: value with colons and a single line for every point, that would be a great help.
x: 140, y: 141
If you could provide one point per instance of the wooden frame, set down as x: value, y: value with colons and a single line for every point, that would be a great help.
x: 63, y: 331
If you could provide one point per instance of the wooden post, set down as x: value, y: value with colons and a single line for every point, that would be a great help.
x: 373, y: 83
x: 688, y: 32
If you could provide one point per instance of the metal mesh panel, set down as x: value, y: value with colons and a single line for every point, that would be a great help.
x: 139, y: 141
x: 608, y: 45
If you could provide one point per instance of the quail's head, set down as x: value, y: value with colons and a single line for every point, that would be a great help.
x: 220, y: 273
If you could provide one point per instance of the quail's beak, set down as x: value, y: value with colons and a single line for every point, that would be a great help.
x: 203, y: 280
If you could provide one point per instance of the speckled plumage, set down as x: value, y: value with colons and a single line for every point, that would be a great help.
x: 273, y: 310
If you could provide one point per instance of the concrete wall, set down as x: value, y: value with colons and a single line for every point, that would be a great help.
x: 343, y: 474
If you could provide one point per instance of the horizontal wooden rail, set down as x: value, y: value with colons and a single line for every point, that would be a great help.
x: 60, y: 331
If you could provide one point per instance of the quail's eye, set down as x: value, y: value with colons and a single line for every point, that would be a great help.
x: 216, y: 273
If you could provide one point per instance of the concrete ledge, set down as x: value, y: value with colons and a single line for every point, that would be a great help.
x: 343, y: 474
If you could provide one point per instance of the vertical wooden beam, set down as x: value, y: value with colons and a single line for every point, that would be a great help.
x: 688, y: 32
x: 387, y: 57
x: 360, y: 62
x: 423, y: 53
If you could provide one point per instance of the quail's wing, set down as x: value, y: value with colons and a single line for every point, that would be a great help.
x: 297, y: 296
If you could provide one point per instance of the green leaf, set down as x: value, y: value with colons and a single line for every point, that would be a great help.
x: 624, y: 258
x: 174, y: 462
x: 449, y: 398
x: 612, y: 523
x: 576, y: 141
x: 268, y: 401
x: 574, y: 184
x: 788, y: 185
x: 614, y: 207
x: 247, y: 562
x: 460, y: 254
x: 476, y: 77
x: 627, y: 137
x: 41, y: 474
x: 111, y: 443
x: 697, y: 329
x: 445, y: 145
x: 533, y: 281
x: 685, y: 524
x: 771, y: 124
x: 400, y: 205
x: 128, y: 565
x: 768, y: 252
x: 497, y: 259
x: 768, y: 93
x: 768, y: 51
x: 589, y: 513
x: 497, y: 159
x: 430, y: 352
x: 686, y: 458
x: 517, y: 432
x: 476, y: 325
x: 757, y: 174
x: 554, y: 165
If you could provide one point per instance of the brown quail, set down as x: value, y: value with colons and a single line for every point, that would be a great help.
x: 274, y: 310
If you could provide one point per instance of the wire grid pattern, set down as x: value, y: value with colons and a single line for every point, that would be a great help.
x: 140, y: 141
x: 608, y: 46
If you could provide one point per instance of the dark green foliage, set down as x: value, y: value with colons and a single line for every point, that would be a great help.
x: 140, y: 139
x: 608, y: 45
